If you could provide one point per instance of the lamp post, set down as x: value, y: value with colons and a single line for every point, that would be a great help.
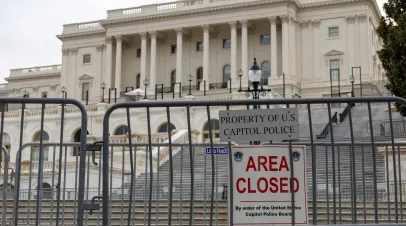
x: 26, y: 94
x: 63, y: 91
x: 352, y: 85
x: 190, y: 78
x: 240, y: 75
x: 103, y: 86
x: 145, y: 84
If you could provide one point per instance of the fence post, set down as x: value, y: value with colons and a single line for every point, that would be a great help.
x: 173, y: 90
x: 230, y: 85
x: 204, y: 90
x: 156, y: 91
x: 180, y: 90
x: 87, y: 97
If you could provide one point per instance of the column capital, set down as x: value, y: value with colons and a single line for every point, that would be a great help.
x: 74, y: 51
x: 362, y: 17
x: 206, y: 27
x: 65, y: 51
x: 284, y: 18
x: 179, y: 31
x: 143, y: 35
x: 305, y: 24
x: 244, y: 23
x: 316, y: 23
x: 350, y: 19
x: 119, y: 38
x: 99, y: 48
x: 233, y: 24
x: 109, y: 39
x: 272, y: 19
x: 153, y: 34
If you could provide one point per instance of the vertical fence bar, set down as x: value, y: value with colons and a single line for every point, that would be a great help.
x: 363, y: 185
x: 40, y: 169
x: 6, y: 159
x: 181, y: 186
x: 58, y: 199
x: 339, y: 183
x: 230, y: 182
x: 212, y: 165
x: 157, y: 190
x: 168, y: 117
x: 131, y: 166
x: 18, y: 169
x: 327, y: 187
x: 111, y: 183
x: 192, y: 175
x: 52, y: 186
x: 29, y: 188
x: 64, y: 187
x: 314, y: 185
x: 400, y: 186
x: 373, y: 164
x: 352, y: 162
x: 387, y: 182
x: 151, y: 167
x: 333, y: 164
x: 394, y: 163
x: 122, y: 186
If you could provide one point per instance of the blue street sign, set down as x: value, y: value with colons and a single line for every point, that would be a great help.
x: 217, y: 151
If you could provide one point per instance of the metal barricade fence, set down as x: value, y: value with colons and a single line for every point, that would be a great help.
x: 38, y: 158
x: 353, y: 177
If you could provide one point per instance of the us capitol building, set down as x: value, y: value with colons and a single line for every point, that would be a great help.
x: 305, y: 48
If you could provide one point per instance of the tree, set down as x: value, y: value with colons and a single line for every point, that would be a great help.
x: 392, y: 31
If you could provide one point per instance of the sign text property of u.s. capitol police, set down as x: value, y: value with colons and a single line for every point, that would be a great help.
x: 259, y: 125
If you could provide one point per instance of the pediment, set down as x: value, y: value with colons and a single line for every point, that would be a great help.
x: 334, y: 52
x: 85, y: 77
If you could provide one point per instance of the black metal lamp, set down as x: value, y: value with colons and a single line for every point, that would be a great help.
x: 103, y: 86
x: 255, y: 76
x: 190, y: 78
x: 145, y: 84
x: 352, y: 84
x: 26, y: 94
x: 240, y: 75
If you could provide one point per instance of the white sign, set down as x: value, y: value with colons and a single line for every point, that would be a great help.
x: 259, y: 125
x: 262, y: 185
x: 217, y: 151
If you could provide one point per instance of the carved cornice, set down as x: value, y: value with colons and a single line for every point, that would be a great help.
x: 33, y: 77
x: 99, y: 48
x: 350, y: 19
x: 119, y: 38
x: 316, y: 23
x: 109, y: 39
x: 80, y: 35
x: 65, y: 52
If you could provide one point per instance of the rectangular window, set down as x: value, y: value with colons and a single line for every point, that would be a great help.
x: 334, y: 70
x: 226, y: 43
x: 86, y: 59
x: 138, y: 53
x: 333, y: 32
x: 265, y: 39
x: 173, y: 49
x: 85, y: 89
x: 44, y: 94
x: 199, y: 46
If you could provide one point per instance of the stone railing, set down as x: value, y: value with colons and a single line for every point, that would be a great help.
x: 48, y: 111
x: 35, y: 70
x: 82, y: 27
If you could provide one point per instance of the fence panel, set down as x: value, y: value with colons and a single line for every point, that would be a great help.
x: 354, y: 174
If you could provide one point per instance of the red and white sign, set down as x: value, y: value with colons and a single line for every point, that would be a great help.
x: 263, y: 187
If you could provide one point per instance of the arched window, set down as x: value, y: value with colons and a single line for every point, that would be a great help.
x: 226, y: 73
x: 173, y: 77
x: 76, y: 139
x: 36, y: 149
x: 138, y: 82
x: 164, y: 128
x: 46, y: 191
x: 266, y: 72
x: 215, y: 130
x: 199, y: 77
x: 121, y: 130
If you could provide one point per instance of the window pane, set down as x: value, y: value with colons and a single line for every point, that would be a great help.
x: 226, y: 73
x: 266, y: 72
x: 265, y: 39
x: 85, y: 88
x: 199, y: 46
x: 173, y: 49
x: 86, y: 59
x: 334, y: 69
x: 138, y: 53
x: 334, y: 64
x: 333, y: 32
x: 173, y: 77
x: 226, y: 43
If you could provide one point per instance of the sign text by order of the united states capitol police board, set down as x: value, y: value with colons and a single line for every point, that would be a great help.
x: 259, y: 125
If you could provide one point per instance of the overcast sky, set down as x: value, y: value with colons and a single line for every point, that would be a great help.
x: 28, y: 28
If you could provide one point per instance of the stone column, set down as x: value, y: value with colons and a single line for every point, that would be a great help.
x: 206, y: 56
x: 285, y: 44
x: 274, y: 49
x: 109, y: 61
x: 244, y: 52
x: 179, y: 57
x: 152, y: 78
x: 292, y: 48
x: 65, y: 66
x: 233, y: 26
x: 143, y: 67
x: 119, y: 44
x: 351, y: 44
x: 316, y: 49
x: 364, y: 48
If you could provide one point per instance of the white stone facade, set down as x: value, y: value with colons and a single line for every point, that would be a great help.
x: 140, y: 41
